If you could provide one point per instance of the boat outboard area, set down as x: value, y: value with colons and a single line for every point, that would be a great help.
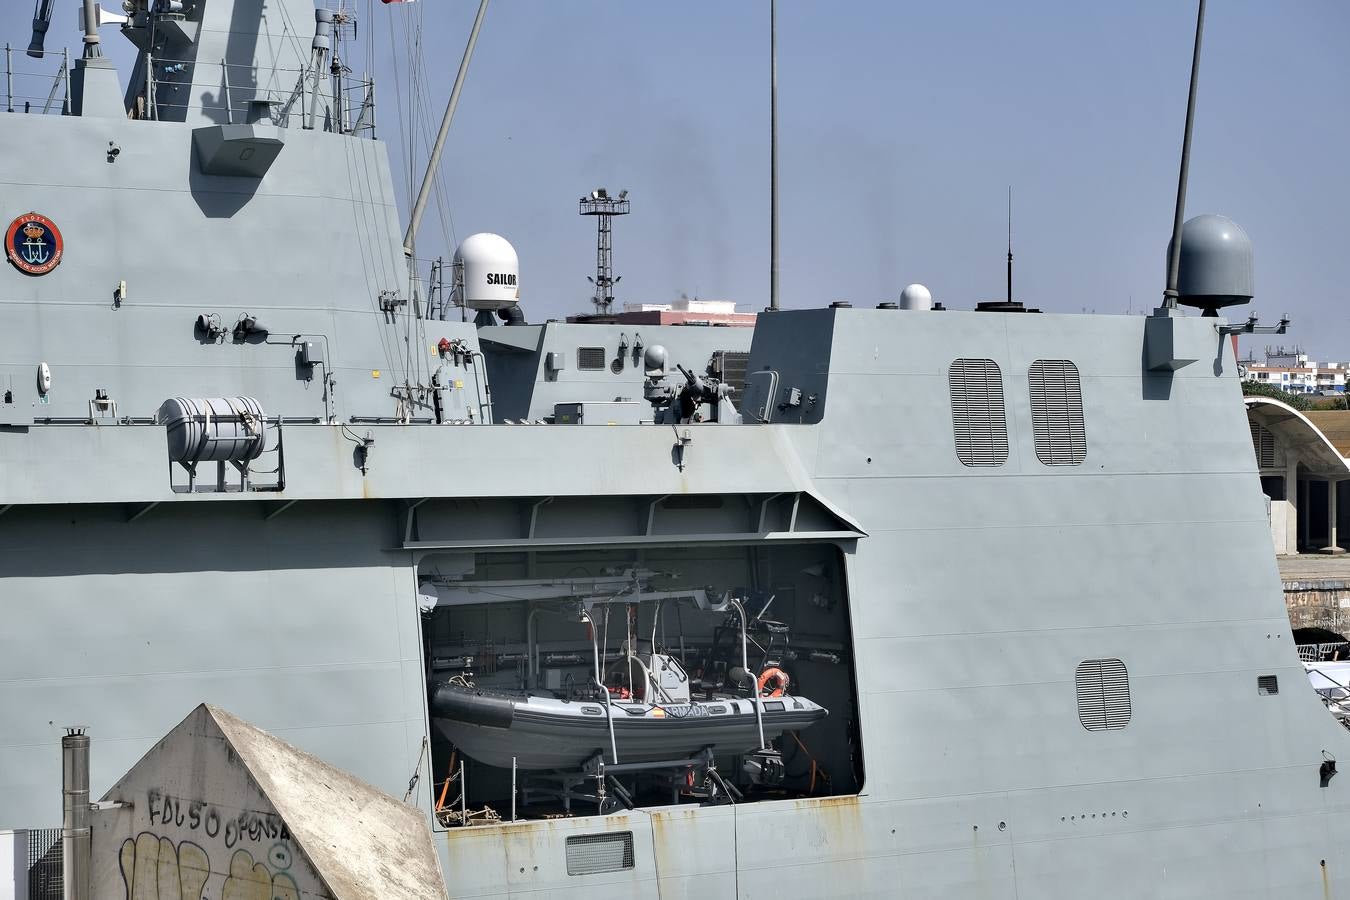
x: 602, y: 681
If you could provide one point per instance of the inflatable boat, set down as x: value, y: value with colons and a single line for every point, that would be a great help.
x: 542, y: 732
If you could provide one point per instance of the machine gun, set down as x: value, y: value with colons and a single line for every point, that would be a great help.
x: 680, y: 405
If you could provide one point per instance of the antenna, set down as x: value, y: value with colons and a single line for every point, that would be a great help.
x: 1010, y: 243
x: 1174, y: 254
x: 434, y: 161
x: 601, y: 205
x: 773, y: 154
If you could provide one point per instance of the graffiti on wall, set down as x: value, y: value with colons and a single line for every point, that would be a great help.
x: 200, y: 816
x: 170, y: 860
x: 155, y: 868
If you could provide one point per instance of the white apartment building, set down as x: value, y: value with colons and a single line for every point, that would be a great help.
x: 1293, y: 371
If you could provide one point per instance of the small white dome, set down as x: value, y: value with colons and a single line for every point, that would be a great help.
x: 916, y: 296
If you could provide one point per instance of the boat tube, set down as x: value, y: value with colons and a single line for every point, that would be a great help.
x: 542, y: 733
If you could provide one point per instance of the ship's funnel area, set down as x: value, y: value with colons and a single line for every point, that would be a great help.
x: 1216, y: 264
x: 489, y: 272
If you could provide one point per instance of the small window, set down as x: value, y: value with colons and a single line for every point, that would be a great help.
x: 591, y: 359
x: 1057, y: 412
x: 978, y: 417
x: 1103, y: 694
x: 591, y: 854
x: 1267, y: 685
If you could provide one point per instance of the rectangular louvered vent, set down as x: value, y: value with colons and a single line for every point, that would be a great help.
x: 1103, y: 694
x: 1267, y: 685
x: 1057, y: 412
x: 1263, y: 442
x: 591, y: 854
x: 591, y: 359
x: 978, y: 417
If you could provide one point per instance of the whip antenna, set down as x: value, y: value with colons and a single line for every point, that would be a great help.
x: 1174, y: 254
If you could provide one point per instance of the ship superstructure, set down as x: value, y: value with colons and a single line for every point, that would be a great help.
x: 1020, y: 559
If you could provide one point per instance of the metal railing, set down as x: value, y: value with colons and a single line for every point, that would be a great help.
x: 244, y: 98
x: 1323, y: 652
x: 30, y: 90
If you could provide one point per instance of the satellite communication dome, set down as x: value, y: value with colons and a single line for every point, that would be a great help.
x: 1216, y: 264
x: 491, y: 271
x: 916, y: 296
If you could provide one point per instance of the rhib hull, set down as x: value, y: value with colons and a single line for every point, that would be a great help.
x: 539, y: 733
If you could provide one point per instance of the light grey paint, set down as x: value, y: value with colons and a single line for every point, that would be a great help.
x: 974, y: 592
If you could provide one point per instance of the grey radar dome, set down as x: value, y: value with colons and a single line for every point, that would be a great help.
x: 654, y: 360
x: 1215, y: 269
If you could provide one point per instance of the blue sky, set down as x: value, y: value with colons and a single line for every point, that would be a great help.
x: 901, y: 126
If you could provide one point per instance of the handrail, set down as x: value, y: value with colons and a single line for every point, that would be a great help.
x: 25, y: 77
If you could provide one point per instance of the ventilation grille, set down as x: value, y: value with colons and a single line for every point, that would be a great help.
x: 731, y: 366
x: 44, y: 864
x: 1263, y: 442
x: 1103, y: 694
x: 1267, y: 684
x: 1057, y: 412
x: 978, y: 417
x: 591, y: 359
x: 591, y: 854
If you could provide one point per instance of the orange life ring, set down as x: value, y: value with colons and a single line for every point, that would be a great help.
x: 776, y: 677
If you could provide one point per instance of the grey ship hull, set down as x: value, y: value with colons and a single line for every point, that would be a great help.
x: 307, y: 623
x: 974, y: 593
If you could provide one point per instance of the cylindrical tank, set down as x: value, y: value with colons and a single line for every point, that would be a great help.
x: 491, y: 271
x: 214, y: 429
x: 1216, y: 263
x: 916, y: 296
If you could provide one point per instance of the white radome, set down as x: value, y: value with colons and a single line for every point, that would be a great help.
x: 916, y: 296
x: 491, y: 271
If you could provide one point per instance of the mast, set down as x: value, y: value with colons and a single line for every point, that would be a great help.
x: 1010, y: 243
x: 773, y: 154
x: 1174, y: 253
x: 434, y: 162
x: 92, y: 50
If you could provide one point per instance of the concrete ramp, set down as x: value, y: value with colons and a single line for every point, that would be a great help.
x: 220, y: 809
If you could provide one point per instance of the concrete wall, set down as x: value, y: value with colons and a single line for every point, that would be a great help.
x: 195, y: 821
x: 1318, y: 604
x: 13, y: 865
x: 1282, y: 513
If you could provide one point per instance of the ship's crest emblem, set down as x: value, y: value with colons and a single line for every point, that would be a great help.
x: 33, y: 244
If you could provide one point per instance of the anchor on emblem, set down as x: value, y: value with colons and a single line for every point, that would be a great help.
x: 35, y: 251
x: 33, y: 244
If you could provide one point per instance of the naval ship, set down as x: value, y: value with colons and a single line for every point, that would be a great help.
x: 986, y: 596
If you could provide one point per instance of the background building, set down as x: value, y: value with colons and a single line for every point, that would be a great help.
x: 1293, y: 371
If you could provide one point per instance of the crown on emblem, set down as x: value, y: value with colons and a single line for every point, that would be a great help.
x: 34, y: 231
